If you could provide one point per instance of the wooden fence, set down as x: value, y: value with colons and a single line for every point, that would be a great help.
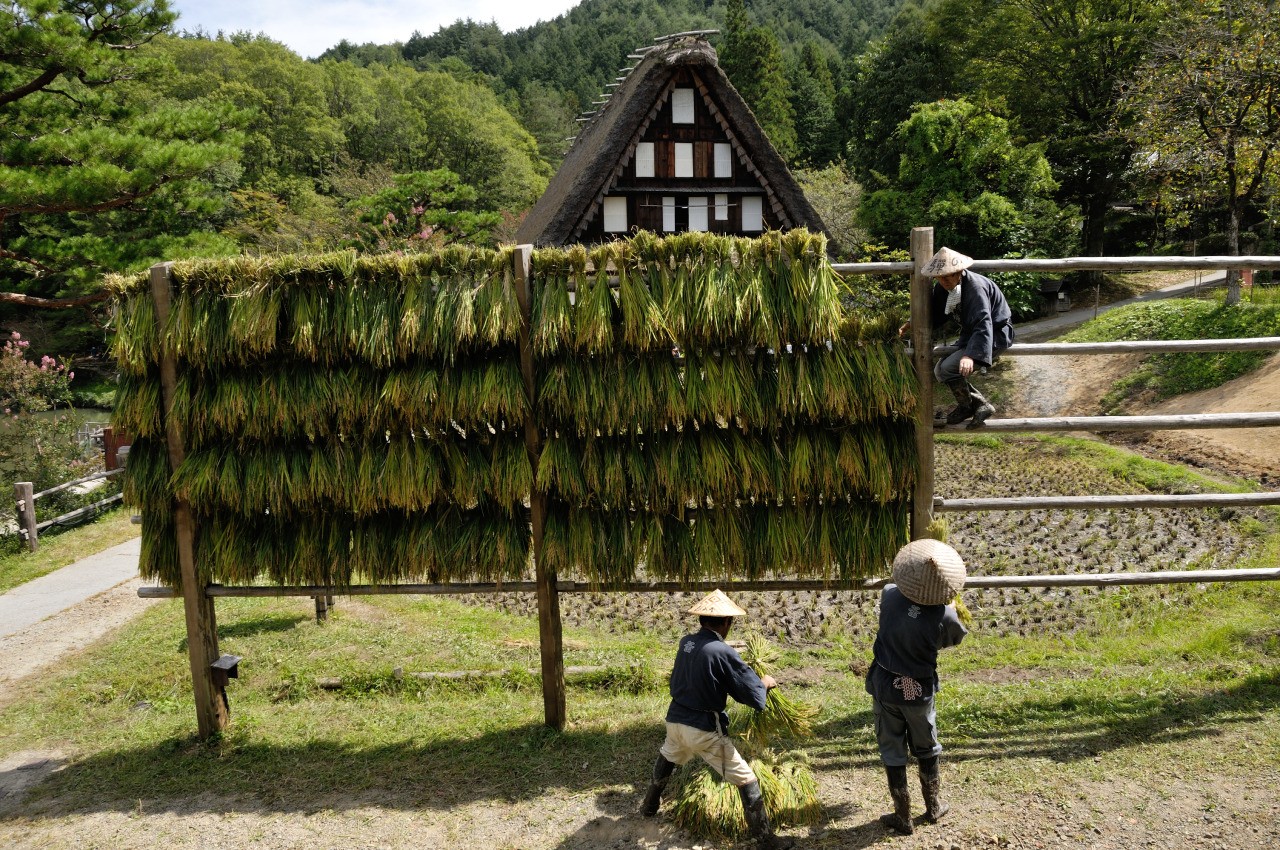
x: 209, y: 685
x: 26, y: 506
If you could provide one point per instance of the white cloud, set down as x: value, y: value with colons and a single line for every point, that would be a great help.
x: 312, y: 26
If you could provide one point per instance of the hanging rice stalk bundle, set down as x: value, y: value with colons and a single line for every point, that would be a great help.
x: 594, y: 311
x: 644, y: 328
x: 552, y: 310
x: 136, y: 346
x: 158, y: 559
x: 139, y: 406
x: 146, y: 475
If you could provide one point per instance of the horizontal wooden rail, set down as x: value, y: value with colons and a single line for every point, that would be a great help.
x: 94, y: 477
x: 971, y: 583
x: 79, y: 512
x: 1082, y: 264
x: 1027, y: 349
x: 1128, y: 423
x: 1031, y: 503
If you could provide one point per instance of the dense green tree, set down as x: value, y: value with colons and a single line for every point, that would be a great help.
x: 813, y: 105
x: 93, y: 178
x: 906, y: 68
x: 752, y: 60
x: 1059, y: 65
x: 962, y: 174
x: 1206, y: 109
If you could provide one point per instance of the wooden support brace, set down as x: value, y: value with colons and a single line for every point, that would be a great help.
x: 922, y: 342
x: 202, y: 626
x: 549, y: 625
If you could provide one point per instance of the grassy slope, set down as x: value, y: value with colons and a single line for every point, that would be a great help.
x: 1166, y: 375
x: 1147, y: 685
x: 61, y: 549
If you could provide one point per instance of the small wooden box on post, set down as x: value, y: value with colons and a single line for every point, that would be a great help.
x: 922, y: 360
x: 550, y: 634
x: 202, y: 626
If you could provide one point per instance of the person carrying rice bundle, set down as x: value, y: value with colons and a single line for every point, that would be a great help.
x: 707, y: 672
x: 915, y: 623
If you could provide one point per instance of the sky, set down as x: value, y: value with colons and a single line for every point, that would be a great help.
x: 311, y: 27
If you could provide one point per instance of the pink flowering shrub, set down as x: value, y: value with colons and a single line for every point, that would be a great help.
x: 37, y: 431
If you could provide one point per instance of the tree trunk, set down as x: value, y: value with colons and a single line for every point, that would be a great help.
x: 1233, y: 248
x: 1233, y: 219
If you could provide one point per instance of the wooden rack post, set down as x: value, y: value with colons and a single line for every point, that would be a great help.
x: 922, y: 359
x: 550, y: 636
x: 202, y: 626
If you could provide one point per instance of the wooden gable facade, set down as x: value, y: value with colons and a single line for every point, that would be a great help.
x: 674, y: 149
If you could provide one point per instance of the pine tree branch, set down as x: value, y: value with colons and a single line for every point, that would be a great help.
x: 53, y: 303
x: 35, y: 85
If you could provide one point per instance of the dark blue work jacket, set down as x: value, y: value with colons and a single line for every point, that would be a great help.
x: 907, y: 644
x: 986, y: 322
x: 708, y: 671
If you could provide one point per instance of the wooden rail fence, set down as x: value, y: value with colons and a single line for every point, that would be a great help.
x: 26, y: 506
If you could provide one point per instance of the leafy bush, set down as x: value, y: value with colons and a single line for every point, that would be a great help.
x: 1168, y: 375
x: 36, y: 444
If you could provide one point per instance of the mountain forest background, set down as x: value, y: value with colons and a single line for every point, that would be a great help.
x: 1013, y: 127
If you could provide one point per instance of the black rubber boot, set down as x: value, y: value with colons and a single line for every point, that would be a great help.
x: 758, y: 826
x: 982, y: 409
x: 963, y: 391
x: 899, y: 819
x: 931, y: 788
x: 653, y: 797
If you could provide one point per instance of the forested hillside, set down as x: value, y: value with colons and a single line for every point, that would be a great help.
x: 1045, y: 127
x: 582, y: 49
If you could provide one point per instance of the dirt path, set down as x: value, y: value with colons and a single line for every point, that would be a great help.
x: 1059, y: 386
x: 1231, y: 811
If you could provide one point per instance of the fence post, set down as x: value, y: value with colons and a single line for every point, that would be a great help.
x: 549, y: 627
x: 922, y: 359
x: 202, y: 626
x: 25, y: 495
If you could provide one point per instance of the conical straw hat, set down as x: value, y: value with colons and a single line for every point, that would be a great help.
x: 928, y: 572
x: 716, y: 604
x: 946, y: 261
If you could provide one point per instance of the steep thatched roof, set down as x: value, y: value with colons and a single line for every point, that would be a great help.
x: 607, y: 143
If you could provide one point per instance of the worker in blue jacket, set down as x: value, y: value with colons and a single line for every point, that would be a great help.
x: 915, y: 623
x: 986, y: 329
x: 707, y: 672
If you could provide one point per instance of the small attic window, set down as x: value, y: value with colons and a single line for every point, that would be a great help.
x: 644, y: 159
x: 682, y: 106
x: 615, y: 215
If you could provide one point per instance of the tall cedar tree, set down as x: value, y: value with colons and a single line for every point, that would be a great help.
x: 1206, y: 107
x: 752, y: 60
x: 1059, y: 65
x: 75, y: 147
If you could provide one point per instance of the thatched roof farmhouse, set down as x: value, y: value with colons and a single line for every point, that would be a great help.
x: 674, y: 148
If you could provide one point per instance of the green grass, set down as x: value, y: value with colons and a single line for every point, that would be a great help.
x: 1166, y: 375
x: 58, y: 550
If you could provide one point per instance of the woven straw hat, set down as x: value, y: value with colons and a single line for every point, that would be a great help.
x: 928, y: 572
x: 947, y: 261
x: 716, y: 604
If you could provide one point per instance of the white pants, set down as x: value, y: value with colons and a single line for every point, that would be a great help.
x: 685, y: 742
